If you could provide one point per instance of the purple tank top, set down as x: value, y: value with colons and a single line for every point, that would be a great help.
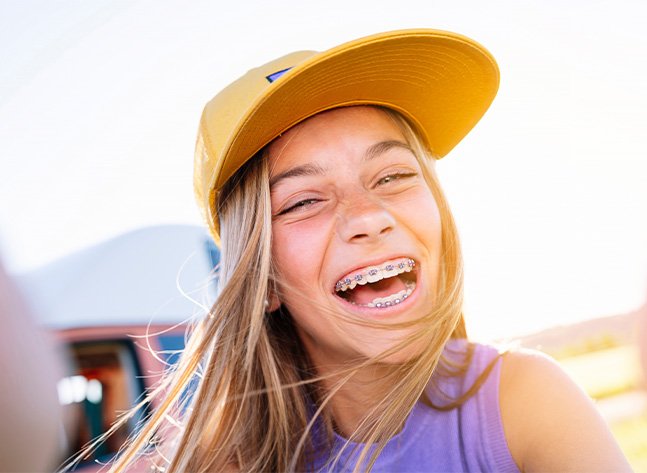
x: 468, y: 438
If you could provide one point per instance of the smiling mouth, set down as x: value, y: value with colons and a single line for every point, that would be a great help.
x: 381, y: 286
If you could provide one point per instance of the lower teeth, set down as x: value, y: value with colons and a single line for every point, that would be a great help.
x: 382, y: 303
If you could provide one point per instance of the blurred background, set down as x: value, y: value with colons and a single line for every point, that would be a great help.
x: 99, y: 105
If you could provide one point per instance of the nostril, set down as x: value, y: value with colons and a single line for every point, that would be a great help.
x: 366, y: 222
x: 359, y: 236
x: 365, y: 236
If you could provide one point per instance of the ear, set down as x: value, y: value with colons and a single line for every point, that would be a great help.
x: 273, y: 302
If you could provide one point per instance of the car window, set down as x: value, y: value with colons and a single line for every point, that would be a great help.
x: 106, y: 380
x: 171, y: 345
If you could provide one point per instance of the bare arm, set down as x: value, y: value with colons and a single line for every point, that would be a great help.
x: 550, y: 423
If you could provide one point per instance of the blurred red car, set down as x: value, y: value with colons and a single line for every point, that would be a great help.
x: 119, y: 310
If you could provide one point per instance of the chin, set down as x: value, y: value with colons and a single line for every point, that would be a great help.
x: 406, y: 352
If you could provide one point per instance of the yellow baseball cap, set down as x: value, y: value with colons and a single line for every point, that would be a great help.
x: 441, y: 82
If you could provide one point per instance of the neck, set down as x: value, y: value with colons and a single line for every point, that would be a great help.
x: 356, y: 398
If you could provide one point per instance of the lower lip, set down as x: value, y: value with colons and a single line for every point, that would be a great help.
x: 383, y: 312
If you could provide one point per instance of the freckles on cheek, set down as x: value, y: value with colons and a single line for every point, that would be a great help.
x: 298, y: 248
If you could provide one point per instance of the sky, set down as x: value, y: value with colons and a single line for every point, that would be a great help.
x: 100, y: 100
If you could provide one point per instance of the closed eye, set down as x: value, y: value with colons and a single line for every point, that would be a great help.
x: 300, y: 205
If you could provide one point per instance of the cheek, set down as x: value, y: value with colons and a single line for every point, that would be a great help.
x: 298, y: 250
x: 424, y: 222
x: 420, y: 213
x: 431, y: 221
x: 430, y: 233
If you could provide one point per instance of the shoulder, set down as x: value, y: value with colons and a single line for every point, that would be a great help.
x: 550, y: 424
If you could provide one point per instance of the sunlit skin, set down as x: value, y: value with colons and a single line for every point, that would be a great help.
x: 347, y: 192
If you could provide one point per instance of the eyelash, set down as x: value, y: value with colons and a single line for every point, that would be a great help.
x: 298, y: 205
x: 395, y: 176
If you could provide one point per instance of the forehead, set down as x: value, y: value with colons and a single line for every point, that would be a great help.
x: 341, y: 129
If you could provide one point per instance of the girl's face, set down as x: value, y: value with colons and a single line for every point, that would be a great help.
x: 356, y: 233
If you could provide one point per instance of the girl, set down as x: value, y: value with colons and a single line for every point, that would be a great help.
x: 337, y: 341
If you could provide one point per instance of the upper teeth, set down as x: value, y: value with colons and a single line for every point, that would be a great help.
x: 373, y: 274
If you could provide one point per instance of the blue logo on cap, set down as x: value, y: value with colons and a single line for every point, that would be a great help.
x: 275, y: 75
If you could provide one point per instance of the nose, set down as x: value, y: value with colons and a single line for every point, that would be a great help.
x: 364, y: 221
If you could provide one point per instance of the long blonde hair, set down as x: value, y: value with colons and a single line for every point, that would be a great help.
x: 258, y: 405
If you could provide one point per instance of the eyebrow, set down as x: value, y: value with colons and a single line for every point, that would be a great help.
x: 303, y: 170
x: 310, y: 169
x: 382, y: 147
